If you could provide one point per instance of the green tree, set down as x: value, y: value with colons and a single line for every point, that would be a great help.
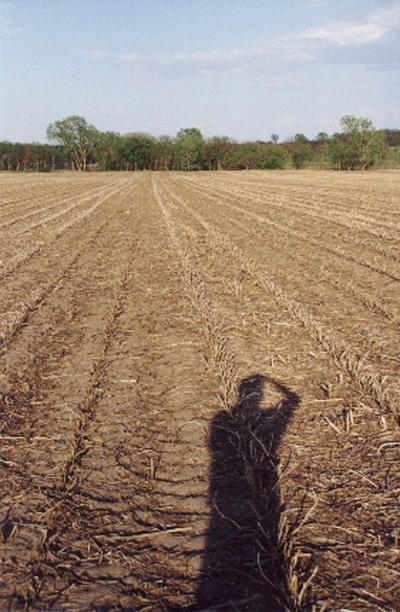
x: 45, y: 157
x: 137, y: 150
x: 77, y: 136
x: 320, y: 150
x: 322, y: 137
x: 107, y: 149
x: 219, y: 153
x: 188, y: 149
x: 260, y: 155
x: 247, y: 155
x: 162, y: 154
x: 359, y: 147
x: 301, y: 139
x: 299, y: 159
x: 301, y: 151
x: 17, y: 155
x: 26, y: 156
x: 5, y: 155
x: 270, y: 157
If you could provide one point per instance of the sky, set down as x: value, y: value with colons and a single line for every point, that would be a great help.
x: 238, y: 68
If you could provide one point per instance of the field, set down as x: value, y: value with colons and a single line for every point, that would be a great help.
x: 199, y: 391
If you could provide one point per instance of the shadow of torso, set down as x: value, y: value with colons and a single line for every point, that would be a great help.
x: 243, y: 568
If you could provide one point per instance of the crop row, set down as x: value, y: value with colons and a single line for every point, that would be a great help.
x: 376, y: 385
x: 282, y: 202
x: 34, y: 248
x: 330, y: 274
x: 21, y: 192
x: 307, y: 239
x: 389, y: 251
x: 13, y: 321
x: 51, y: 496
x: 63, y: 514
x: 347, y: 195
x: 291, y: 590
x: 351, y: 288
x: 76, y: 205
x: 31, y: 213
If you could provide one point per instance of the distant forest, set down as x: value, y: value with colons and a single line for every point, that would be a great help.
x: 80, y: 146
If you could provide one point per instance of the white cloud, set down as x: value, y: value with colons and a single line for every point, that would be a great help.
x: 389, y: 17
x: 314, y: 3
x: 346, y: 33
x: 374, y: 28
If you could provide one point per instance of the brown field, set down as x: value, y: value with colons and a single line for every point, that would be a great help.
x: 199, y: 391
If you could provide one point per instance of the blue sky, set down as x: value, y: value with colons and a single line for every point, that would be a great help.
x: 240, y: 68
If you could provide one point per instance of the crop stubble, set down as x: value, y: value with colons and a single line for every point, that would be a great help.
x: 163, y: 336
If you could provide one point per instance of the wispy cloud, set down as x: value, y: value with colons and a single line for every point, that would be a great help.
x: 7, y: 28
x: 279, y: 55
x: 272, y: 57
x: 10, y: 31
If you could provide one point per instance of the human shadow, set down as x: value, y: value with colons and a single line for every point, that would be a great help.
x: 243, y: 566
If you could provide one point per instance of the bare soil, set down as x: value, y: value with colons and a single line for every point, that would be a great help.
x: 199, y: 391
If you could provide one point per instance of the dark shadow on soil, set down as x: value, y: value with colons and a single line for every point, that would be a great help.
x: 243, y: 567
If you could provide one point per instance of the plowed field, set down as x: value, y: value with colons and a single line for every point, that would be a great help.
x: 199, y: 391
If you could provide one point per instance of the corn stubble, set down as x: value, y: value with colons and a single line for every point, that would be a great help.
x: 118, y: 481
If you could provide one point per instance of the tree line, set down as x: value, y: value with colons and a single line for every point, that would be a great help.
x: 78, y: 145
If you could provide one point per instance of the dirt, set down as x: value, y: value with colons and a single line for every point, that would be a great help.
x: 199, y: 391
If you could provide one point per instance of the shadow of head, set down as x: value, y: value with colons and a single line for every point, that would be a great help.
x: 250, y: 396
x: 251, y: 389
